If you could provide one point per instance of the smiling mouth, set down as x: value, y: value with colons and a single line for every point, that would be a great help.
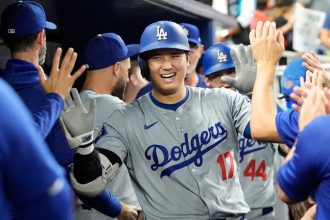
x: 167, y: 76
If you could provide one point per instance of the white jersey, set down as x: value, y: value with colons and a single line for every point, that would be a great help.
x: 121, y: 185
x: 182, y: 162
x: 256, y: 162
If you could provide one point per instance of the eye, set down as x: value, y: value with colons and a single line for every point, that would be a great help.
x: 176, y: 56
x: 156, y: 58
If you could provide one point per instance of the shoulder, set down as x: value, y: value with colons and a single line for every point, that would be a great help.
x: 103, y: 101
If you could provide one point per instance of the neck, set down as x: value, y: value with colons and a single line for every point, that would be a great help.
x: 170, y: 98
x: 94, y: 81
x: 192, y: 79
x: 29, y: 56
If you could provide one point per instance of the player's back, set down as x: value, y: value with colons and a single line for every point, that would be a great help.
x: 256, y: 162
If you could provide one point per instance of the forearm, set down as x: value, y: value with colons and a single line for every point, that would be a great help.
x: 50, y: 110
x: 106, y: 203
x: 264, y: 110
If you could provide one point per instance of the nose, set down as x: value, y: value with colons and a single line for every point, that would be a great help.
x: 167, y: 65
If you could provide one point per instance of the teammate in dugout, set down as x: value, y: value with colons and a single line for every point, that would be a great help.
x: 303, y: 174
x: 255, y: 159
x: 108, y: 59
x: 31, y: 182
x: 23, y: 27
x: 178, y: 142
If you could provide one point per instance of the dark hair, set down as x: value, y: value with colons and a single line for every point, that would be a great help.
x: 20, y: 43
x: 262, y: 4
x: 283, y: 3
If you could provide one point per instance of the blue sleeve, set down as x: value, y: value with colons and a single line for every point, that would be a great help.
x: 59, y: 146
x: 326, y: 24
x: 50, y: 109
x: 247, y: 131
x: 287, y: 126
x: 106, y: 203
x: 300, y: 176
x: 32, y: 176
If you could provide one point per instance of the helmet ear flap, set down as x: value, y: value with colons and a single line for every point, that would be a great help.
x: 145, y: 72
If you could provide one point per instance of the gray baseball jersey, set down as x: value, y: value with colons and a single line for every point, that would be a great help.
x: 182, y: 162
x: 120, y: 185
x: 256, y: 163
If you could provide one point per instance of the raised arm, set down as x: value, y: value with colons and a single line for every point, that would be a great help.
x: 267, y: 47
x: 56, y: 87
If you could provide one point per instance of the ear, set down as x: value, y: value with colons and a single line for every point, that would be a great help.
x: 40, y: 38
x: 201, y: 49
x: 207, y: 81
x: 116, y: 70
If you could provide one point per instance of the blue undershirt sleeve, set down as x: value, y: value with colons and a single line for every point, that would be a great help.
x: 106, y: 203
x: 48, y: 113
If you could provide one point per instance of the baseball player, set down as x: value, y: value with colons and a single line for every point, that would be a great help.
x: 196, y: 51
x: 23, y: 27
x: 177, y: 141
x: 108, y: 59
x: 307, y: 168
x: 256, y: 159
x: 31, y: 181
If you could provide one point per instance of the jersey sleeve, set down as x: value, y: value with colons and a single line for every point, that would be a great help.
x: 239, y: 107
x: 299, y: 176
x: 48, y: 113
x: 113, y: 135
x: 287, y: 126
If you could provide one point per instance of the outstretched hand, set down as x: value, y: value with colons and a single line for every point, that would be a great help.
x: 312, y: 63
x: 77, y: 123
x: 314, y: 79
x: 60, y: 80
x: 245, y: 69
x: 267, y: 43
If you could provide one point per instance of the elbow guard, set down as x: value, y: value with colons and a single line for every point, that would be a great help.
x: 90, y: 173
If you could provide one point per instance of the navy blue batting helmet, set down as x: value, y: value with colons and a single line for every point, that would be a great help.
x: 163, y: 35
x: 217, y: 58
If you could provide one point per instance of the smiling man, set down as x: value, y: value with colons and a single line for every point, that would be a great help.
x: 178, y: 141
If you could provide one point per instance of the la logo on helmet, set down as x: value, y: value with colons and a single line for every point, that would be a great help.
x: 161, y: 34
x: 186, y: 31
x: 221, y: 56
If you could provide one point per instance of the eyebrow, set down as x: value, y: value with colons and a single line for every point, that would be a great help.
x: 174, y: 52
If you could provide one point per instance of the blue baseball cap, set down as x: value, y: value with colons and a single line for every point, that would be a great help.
x: 24, y: 18
x: 106, y: 49
x: 192, y: 33
x: 291, y: 76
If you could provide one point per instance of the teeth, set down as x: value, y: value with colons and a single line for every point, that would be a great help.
x: 167, y: 75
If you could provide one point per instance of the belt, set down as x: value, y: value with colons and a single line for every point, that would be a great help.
x: 86, y: 207
x: 237, y: 217
x: 258, y: 212
x: 267, y: 210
